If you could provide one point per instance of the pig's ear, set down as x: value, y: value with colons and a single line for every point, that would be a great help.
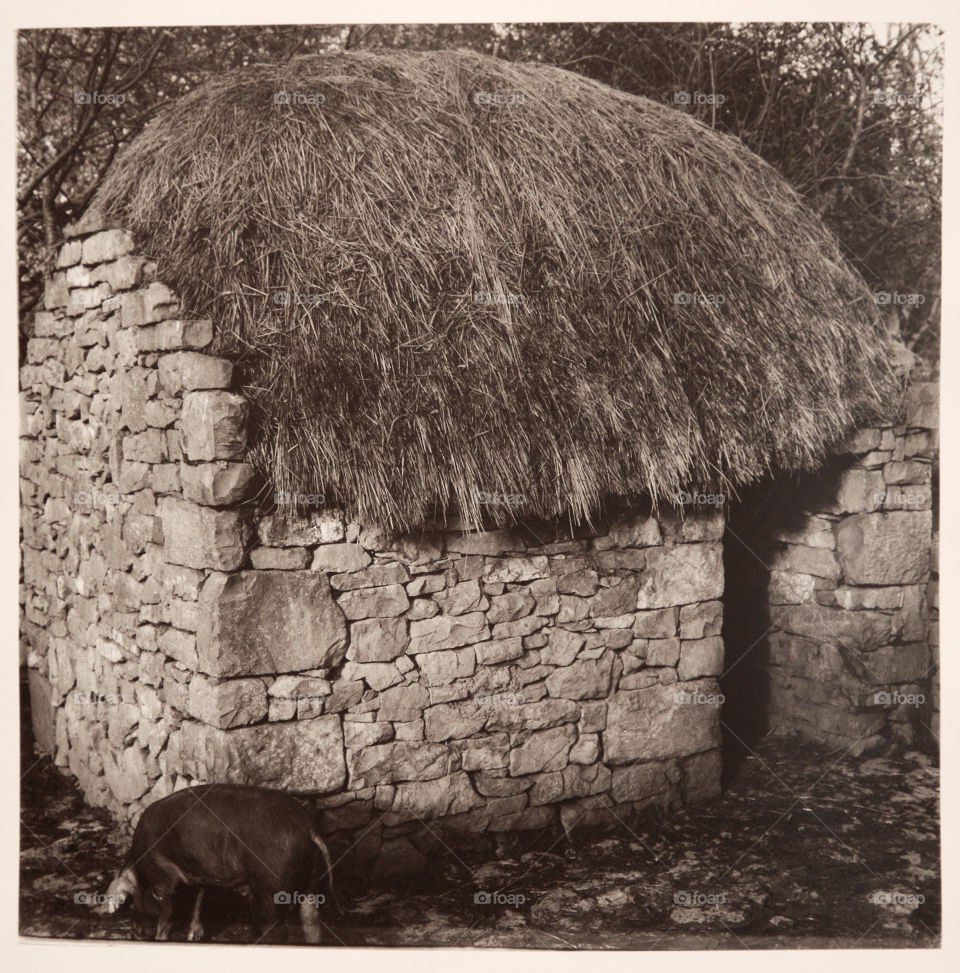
x: 121, y: 889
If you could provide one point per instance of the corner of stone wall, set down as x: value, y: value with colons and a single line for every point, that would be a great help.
x: 124, y: 420
x: 852, y: 653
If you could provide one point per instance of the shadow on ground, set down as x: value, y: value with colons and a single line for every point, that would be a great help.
x: 805, y: 849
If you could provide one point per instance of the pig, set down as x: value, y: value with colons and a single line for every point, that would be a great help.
x: 223, y: 835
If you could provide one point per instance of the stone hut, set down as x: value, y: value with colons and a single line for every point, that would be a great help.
x: 378, y: 433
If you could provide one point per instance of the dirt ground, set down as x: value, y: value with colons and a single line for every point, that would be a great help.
x: 804, y: 849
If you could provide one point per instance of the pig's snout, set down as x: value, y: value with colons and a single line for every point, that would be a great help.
x: 117, y: 894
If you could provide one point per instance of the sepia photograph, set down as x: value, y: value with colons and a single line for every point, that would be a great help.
x: 479, y: 484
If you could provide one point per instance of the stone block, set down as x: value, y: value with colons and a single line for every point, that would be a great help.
x: 174, y: 336
x: 636, y: 530
x: 586, y: 679
x: 404, y: 704
x: 700, y: 657
x: 378, y: 639
x: 499, y: 650
x: 681, y: 575
x: 318, y: 527
x: 543, y: 752
x: 435, y: 798
x: 461, y: 599
x: 153, y: 303
x: 491, y: 542
x: 191, y: 371
x: 885, y: 548
x: 383, y: 602
x: 42, y: 713
x: 515, y: 569
x: 447, y: 632
x: 268, y: 622
x: 213, y: 426
x: 202, y: 537
x: 374, y: 576
x: 562, y: 647
x: 800, y: 559
x: 638, y: 782
x: 235, y: 702
x: 700, y: 775
x: 279, y: 558
x: 107, y: 245
x: 619, y: 599
x: 922, y: 406
x: 303, y: 755
x: 392, y: 763
x: 650, y: 724
x: 217, y: 484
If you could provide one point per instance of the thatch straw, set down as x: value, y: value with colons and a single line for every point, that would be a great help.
x: 584, y: 211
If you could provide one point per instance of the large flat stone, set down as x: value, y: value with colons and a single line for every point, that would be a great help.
x: 301, y: 755
x: 259, y: 622
x: 390, y: 763
x: 650, y: 724
x: 885, y: 548
x: 681, y: 575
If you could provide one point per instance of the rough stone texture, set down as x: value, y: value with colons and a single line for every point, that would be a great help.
x: 213, y: 426
x: 849, y: 594
x: 885, y: 549
x: 259, y: 622
x: 202, y: 537
x: 216, y: 484
x: 681, y: 575
x: 303, y: 756
x: 188, y: 371
x: 651, y: 724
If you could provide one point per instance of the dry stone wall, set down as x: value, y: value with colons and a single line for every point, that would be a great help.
x: 852, y: 652
x: 496, y: 681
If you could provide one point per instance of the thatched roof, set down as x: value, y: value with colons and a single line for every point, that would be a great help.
x: 418, y: 185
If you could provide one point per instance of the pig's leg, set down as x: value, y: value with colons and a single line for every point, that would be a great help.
x: 266, y: 916
x: 310, y: 920
x: 164, y: 919
x: 195, y: 932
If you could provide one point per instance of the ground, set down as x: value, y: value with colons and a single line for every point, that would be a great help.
x: 804, y: 849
